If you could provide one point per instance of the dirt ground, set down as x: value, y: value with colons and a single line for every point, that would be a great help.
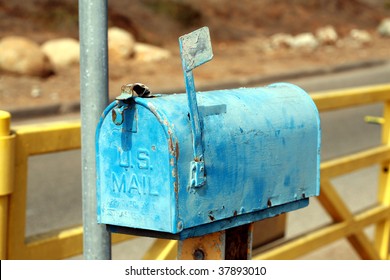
x: 239, y: 32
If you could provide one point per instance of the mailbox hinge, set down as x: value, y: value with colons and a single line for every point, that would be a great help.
x: 128, y: 93
x: 195, y: 50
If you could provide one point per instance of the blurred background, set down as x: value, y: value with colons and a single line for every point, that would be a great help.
x: 317, y: 44
x: 39, y: 42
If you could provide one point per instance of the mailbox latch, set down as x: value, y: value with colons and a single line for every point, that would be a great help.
x: 197, y: 176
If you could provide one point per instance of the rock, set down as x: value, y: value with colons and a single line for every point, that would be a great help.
x: 149, y: 53
x: 120, y: 43
x: 62, y: 52
x: 36, y: 92
x: 280, y: 40
x: 19, y: 55
x: 361, y: 37
x: 305, y: 41
x: 327, y: 35
x: 384, y: 27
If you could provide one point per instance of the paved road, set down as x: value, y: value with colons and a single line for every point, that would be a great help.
x: 54, y: 195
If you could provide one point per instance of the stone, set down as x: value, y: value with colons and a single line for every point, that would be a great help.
x: 306, y: 41
x: 384, y: 27
x: 281, y: 40
x: 22, y: 56
x: 62, y: 52
x: 36, y: 92
x: 148, y: 53
x: 120, y: 43
x: 361, y: 37
x: 327, y: 35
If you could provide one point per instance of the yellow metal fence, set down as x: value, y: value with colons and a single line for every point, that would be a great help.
x: 25, y: 141
x: 28, y: 141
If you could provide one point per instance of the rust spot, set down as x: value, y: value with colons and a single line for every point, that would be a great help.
x: 153, y: 148
x: 177, y: 151
x: 269, y: 202
x: 175, y: 187
x: 211, y: 216
x: 173, y: 147
x: 113, y: 115
x: 235, y: 213
x: 303, y: 195
x: 170, y: 146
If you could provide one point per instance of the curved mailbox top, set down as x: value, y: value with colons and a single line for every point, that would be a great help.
x: 261, y: 158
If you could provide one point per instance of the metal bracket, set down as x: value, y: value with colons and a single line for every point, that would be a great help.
x: 197, y: 176
x: 195, y: 50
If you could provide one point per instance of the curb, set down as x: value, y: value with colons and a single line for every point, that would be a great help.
x: 310, y: 72
x: 36, y: 111
x: 72, y: 107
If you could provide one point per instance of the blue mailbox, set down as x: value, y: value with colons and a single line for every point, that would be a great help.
x: 185, y: 165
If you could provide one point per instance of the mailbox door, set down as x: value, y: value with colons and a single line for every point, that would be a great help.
x: 134, y: 171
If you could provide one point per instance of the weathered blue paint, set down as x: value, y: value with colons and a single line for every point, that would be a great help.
x: 261, y: 158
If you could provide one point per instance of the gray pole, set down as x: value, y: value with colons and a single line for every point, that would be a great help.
x: 93, y: 98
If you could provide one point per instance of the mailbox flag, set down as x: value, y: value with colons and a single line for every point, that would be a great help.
x: 195, y: 48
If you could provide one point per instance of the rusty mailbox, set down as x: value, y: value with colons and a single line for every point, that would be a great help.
x: 185, y: 165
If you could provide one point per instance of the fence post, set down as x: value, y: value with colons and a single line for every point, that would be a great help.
x: 7, y: 163
x: 93, y: 98
x: 382, y: 237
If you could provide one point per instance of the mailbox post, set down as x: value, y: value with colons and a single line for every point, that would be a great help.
x: 202, y: 167
x: 93, y: 99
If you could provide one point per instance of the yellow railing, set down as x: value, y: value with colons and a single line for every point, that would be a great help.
x: 7, y: 146
x: 35, y: 140
x: 16, y: 147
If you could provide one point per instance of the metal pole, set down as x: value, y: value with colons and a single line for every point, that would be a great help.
x: 93, y: 98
